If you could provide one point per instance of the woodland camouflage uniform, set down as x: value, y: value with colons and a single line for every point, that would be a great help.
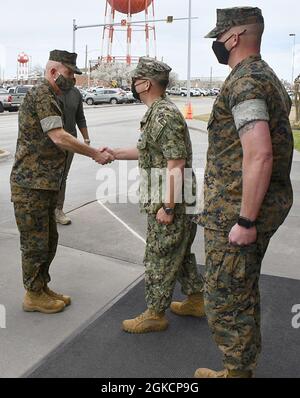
x: 35, y: 181
x: 252, y: 92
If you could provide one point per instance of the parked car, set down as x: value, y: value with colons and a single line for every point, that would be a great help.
x: 203, y: 92
x: 109, y: 96
x: 195, y: 92
x: 173, y: 91
x: 130, y: 97
x: 16, y: 97
x: 214, y: 91
x: 292, y: 96
x: 183, y: 91
x: 3, y: 99
x: 83, y: 93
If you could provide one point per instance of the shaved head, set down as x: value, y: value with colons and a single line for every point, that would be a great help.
x: 54, y: 69
x: 57, y: 66
x: 252, y: 36
x: 242, y: 41
x: 253, y: 32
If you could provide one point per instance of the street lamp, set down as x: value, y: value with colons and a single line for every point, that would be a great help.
x: 189, y: 110
x: 169, y: 19
x: 294, y: 50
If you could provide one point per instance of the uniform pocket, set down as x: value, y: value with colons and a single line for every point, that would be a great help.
x: 232, y: 270
x: 34, y: 220
x: 231, y: 273
x: 144, y: 156
x: 165, y: 239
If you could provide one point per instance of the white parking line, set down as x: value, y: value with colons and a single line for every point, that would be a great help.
x: 122, y: 222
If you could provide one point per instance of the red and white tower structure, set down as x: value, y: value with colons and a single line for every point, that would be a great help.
x: 128, y: 8
x: 23, y: 66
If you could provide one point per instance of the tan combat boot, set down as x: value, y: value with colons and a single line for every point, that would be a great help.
x: 61, y: 218
x: 41, y: 302
x: 149, y: 321
x: 192, y: 306
x: 224, y: 374
x: 57, y: 296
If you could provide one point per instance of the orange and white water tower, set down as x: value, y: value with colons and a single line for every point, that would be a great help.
x: 128, y: 8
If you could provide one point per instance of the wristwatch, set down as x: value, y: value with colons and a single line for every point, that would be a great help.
x: 168, y: 210
x: 246, y: 223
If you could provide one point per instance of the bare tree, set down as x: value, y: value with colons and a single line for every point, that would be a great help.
x: 37, y: 70
x: 173, y: 79
x: 120, y: 73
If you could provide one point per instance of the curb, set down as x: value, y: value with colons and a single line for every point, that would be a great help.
x: 4, y: 114
x: 85, y: 106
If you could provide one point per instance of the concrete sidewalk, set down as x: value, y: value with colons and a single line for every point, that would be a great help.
x: 3, y: 154
x: 197, y: 125
x: 94, y: 281
x: 98, y: 260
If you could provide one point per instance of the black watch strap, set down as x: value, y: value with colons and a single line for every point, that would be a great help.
x: 246, y: 223
x: 168, y: 210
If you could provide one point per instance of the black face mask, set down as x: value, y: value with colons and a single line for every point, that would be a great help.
x: 221, y: 51
x: 65, y: 84
x: 135, y: 94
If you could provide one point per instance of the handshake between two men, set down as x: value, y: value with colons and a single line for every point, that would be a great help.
x: 107, y: 155
x: 102, y: 155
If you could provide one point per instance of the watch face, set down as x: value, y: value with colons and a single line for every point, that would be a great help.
x: 169, y: 212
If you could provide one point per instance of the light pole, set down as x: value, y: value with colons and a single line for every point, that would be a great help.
x: 294, y: 50
x: 77, y: 27
x: 189, y: 111
x: 189, y: 52
x: 74, y: 35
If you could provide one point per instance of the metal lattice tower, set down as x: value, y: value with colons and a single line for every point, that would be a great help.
x: 128, y: 8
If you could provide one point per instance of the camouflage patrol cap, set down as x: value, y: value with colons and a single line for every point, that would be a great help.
x: 236, y: 16
x: 65, y: 58
x: 150, y: 68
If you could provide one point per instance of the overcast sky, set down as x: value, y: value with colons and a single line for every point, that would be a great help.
x: 37, y: 27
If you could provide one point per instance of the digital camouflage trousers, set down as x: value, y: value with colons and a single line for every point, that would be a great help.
x: 35, y: 217
x: 168, y: 258
x: 232, y: 298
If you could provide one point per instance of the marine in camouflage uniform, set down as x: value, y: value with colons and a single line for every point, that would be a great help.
x: 36, y: 179
x: 168, y: 256
x: 252, y: 92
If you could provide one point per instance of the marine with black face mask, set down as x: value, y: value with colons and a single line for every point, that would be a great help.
x: 134, y: 86
x: 164, y: 152
x: 248, y: 192
x: 37, y: 177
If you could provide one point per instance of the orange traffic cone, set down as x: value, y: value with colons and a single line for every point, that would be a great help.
x: 189, y: 112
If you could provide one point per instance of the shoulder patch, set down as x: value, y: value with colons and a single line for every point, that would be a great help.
x: 157, y: 126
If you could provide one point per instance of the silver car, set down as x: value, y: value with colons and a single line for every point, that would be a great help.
x: 3, y: 99
x: 106, y: 96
